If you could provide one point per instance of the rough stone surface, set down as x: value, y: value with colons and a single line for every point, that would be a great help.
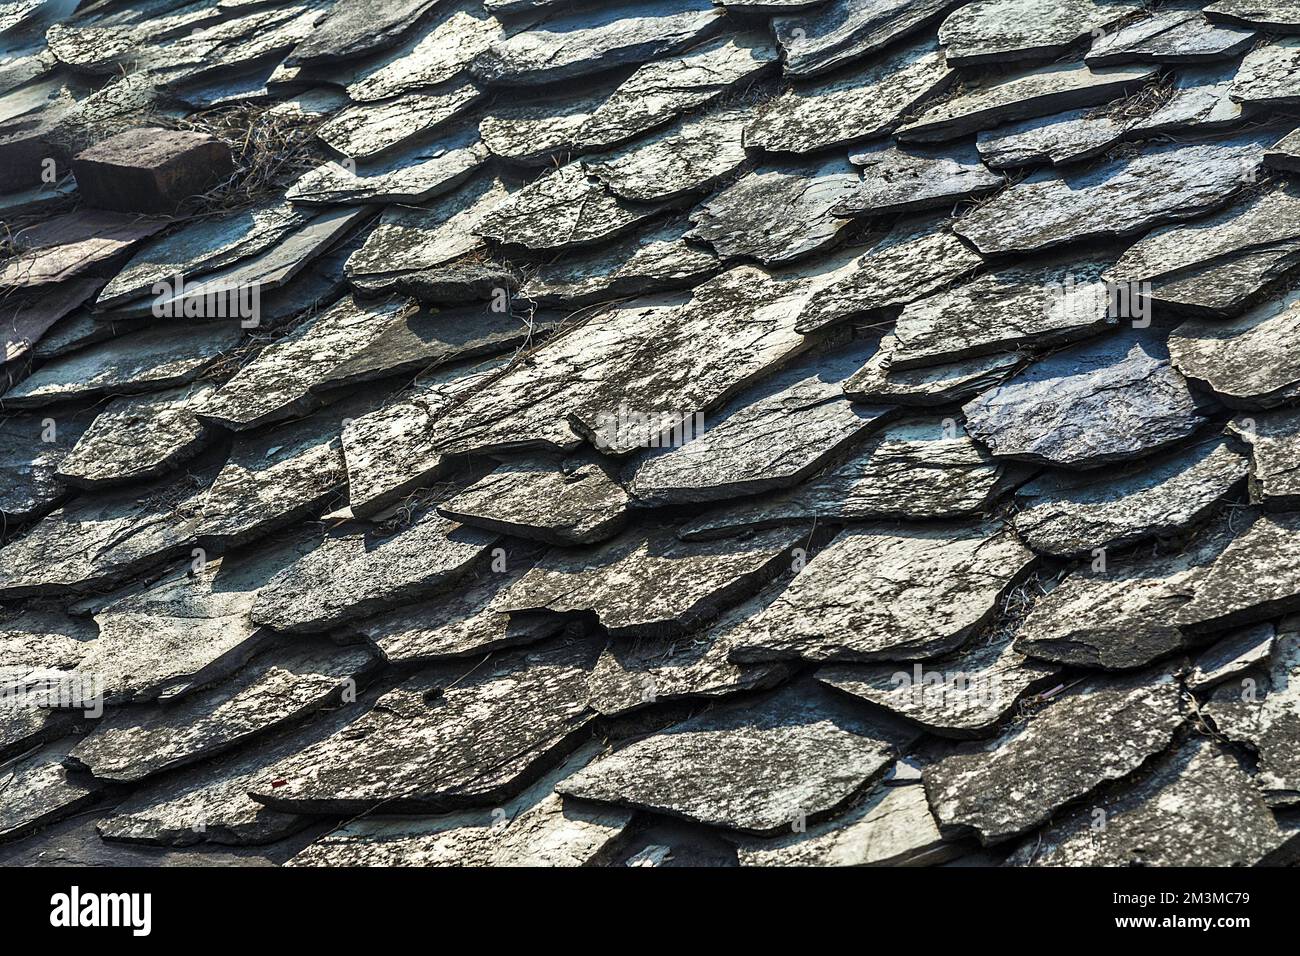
x: 1249, y: 362
x: 1253, y: 580
x: 1177, y: 35
x: 30, y: 457
x: 1063, y: 138
x: 878, y: 381
x: 906, y: 180
x: 1231, y: 656
x: 1274, y: 442
x: 150, y: 170
x: 366, y: 130
x: 1011, y: 31
x: 414, y: 175
x: 1270, y: 75
x: 36, y: 790
x: 842, y: 31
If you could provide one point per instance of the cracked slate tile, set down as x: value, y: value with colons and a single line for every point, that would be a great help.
x: 866, y: 102
x: 772, y: 436
x: 138, y: 438
x: 963, y: 694
x: 646, y: 582
x: 25, y: 318
x: 913, y: 470
x: 36, y: 789
x: 366, y: 130
x: 1172, y: 816
x: 1269, y: 75
x: 880, y: 592
x: 573, y: 46
x: 33, y: 448
x: 1038, y: 92
x: 1099, y: 730
x: 283, y: 683
x: 1273, y: 440
x: 412, y: 176
x: 908, y: 180
x: 1012, y: 31
x: 1253, y: 580
x: 1175, y: 35
x: 777, y: 214
x: 755, y: 766
x: 1168, y: 183
x: 879, y: 382
x: 1068, y: 137
x: 1089, y: 405
x: 1231, y: 656
x: 449, y: 737
x: 562, y: 502
x: 537, y: 828
x: 1071, y: 513
x: 842, y: 31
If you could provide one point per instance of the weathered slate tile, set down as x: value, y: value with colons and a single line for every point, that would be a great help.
x: 1020, y: 307
x: 907, y: 180
x: 1231, y: 656
x: 278, y: 383
x: 1176, y: 35
x: 1120, y: 616
x: 466, y: 621
x: 1070, y: 513
x: 1285, y: 154
x: 25, y: 724
x: 539, y: 131
x: 355, y: 574
x: 879, y: 592
x: 689, y: 158
x: 862, y: 103
x: 39, y: 646
x: 559, y: 501
x: 914, y: 470
x: 138, y: 438
x: 32, y: 449
x: 1201, y: 102
x: 366, y: 130
x: 455, y: 283
x: 1096, y: 732
x: 78, y: 330
x: 165, y: 356
x: 960, y: 695
x: 646, y: 582
x: 1185, y: 799
x: 1011, y: 31
x: 93, y: 542
x: 1278, y: 16
x: 1165, y: 184
x: 771, y: 436
x: 1089, y: 405
x: 281, y: 684
x: 656, y: 260
x: 563, y: 209
x: 36, y: 789
x: 536, y: 828
x: 71, y: 246
x: 842, y: 31
x: 1040, y: 92
x: 777, y: 214
x: 645, y: 671
x: 412, y: 176
x: 1273, y: 439
x: 1269, y: 75
x: 1253, y: 580
x: 893, y: 826
x: 472, y: 734
x: 1249, y: 361
x: 667, y: 87
x: 916, y: 258
x: 760, y: 767
x: 878, y: 382
x: 354, y: 28
x: 436, y: 55
x: 1067, y: 137
x: 1259, y: 710
x: 26, y: 317
x: 589, y: 42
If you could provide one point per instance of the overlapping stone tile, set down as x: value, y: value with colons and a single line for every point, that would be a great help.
x: 1068, y: 137
x: 877, y: 381
x: 73, y: 245
x: 907, y: 180
x: 1247, y: 361
x: 1180, y: 34
x: 1273, y: 439
x: 1199, y: 102
x: 1285, y: 154
x: 32, y: 449
x: 354, y: 28
x: 1231, y: 656
x: 438, y: 54
x: 367, y: 130
x: 1269, y: 75
x: 1253, y: 580
x: 35, y: 789
x: 415, y: 175
x: 842, y: 31
x: 1012, y: 31
x: 1276, y: 15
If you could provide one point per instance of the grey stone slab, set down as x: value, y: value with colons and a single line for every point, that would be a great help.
x: 877, y: 381
x: 842, y: 31
x: 913, y: 470
x: 436, y: 55
x: 356, y: 574
x: 1012, y: 31
x: 1269, y: 75
x: 908, y: 180
x: 32, y: 449
x: 1279, y: 16
x: 1173, y: 816
x: 916, y: 258
x: 561, y: 502
x: 769, y: 437
x: 367, y: 130
x: 865, y: 102
x: 1039, y: 92
x: 1071, y: 513
x: 1176, y: 35
x: 1253, y: 580
x: 1168, y: 183
x: 1200, y: 102
x: 540, y: 130
x: 880, y: 592
x: 414, y: 175
x: 646, y: 582
x: 777, y: 214
x: 1067, y: 137
x: 762, y: 767
x: 577, y: 45
x: 1089, y: 405
x: 449, y: 737
x: 36, y: 789
x: 38, y: 647
x: 1231, y: 656
x: 964, y: 694
x: 354, y: 28
x: 1273, y: 440
x: 26, y: 317
x: 1285, y: 154
x: 1016, y: 782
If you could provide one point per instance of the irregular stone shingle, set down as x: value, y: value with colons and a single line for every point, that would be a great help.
x: 353, y: 28
x: 904, y: 180
x: 538, y: 131
x: 913, y: 470
x: 1173, y: 816
x: 366, y: 130
x: 865, y: 102
x: 647, y: 582
x: 1096, y: 732
x: 1231, y: 656
x: 1277, y: 15
x: 36, y: 789
x: 1011, y: 31
x: 1270, y: 75
x: 73, y: 245
x: 1089, y: 405
x: 1274, y: 442
x: 842, y: 31
x: 883, y: 593
x: 448, y: 737
x: 947, y: 384
x: 1285, y: 154
x: 412, y: 176
x: 1063, y: 138
x: 26, y: 318
x: 1200, y: 102
x: 32, y: 449
x: 1066, y: 513
x: 760, y: 767
x: 1178, y: 35
x: 1257, y: 577
x: 437, y: 55
x: 1250, y: 361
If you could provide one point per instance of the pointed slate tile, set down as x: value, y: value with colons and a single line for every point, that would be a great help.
x: 1285, y: 154
x: 1201, y: 101
x: 25, y: 318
